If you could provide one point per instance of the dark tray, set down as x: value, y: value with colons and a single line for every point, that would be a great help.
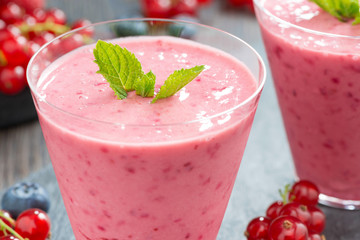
x: 16, y: 109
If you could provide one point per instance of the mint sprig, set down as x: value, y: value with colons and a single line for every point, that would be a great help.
x: 124, y: 73
x: 344, y: 10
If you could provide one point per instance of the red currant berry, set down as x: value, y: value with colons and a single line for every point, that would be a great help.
x: 12, y: 80
x: 28, y: 5
x: 304, y: 192
x: 242, y: 3
x: 56, y: 15
x: 6, y: 34
x: 315, y: 236
x: 317, y: 220
x: 2, y: 24
x: 39, y: 14
x: 12, y: 51
x: 11, y: 13
x: 43, y: 38
x: 287, y: 228
x: 89, y: 31
x: 257, y: 228
x: 157, y: 8
x: 33, y: 224
x: 297, y: 210
x: 29, y: 20
x: 204, y: 2
x: 184, y: 7
x: 274, y: 209
x: 14, y: 30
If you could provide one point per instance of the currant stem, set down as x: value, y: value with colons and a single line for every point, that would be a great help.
x: 3, y: 61
x: 41, y: 27
x: 9, y: 219
x: 285, y: 193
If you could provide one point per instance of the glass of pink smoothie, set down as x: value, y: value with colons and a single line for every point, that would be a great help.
x: 129, y: 169
x: 315, y: 65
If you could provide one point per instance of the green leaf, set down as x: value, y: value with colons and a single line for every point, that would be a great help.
x: 357, y: 20
x: 327, y: 6
x: 119, y: 91
x: 145, y: 85
x: 343, y: 10
x: 178, y: 80
x: 124, y: 73
x: 348, y: 8
x: 118, y: 66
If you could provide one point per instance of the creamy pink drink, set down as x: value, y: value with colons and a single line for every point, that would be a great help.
x: 128, y: 169
x: 315, y: 64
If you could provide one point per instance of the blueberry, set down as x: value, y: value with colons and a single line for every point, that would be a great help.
x: 131, y: 28
x: 183, y: 30
x: 23, y: 196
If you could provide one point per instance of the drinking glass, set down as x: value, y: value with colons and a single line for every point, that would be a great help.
x: 316, y: 76
x: 167, y: 181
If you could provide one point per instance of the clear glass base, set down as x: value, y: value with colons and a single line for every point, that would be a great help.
x: 336, y: 202
x: 339, y: 203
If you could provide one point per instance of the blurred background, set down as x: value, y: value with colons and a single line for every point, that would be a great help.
x: 27, y: 24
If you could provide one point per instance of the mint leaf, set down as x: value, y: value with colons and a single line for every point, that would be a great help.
x: 145, y: 85
x: 177, y: 80
x: 124, y: 73
x: 327, y: 6
x: 357, y: 20
x: 343, y: 10
x: 118, y: 66
x: 348, y: 8
x: 119, y: 91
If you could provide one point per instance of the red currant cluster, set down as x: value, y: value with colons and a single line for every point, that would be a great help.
x: 296, y: 217
x: 23, y: 29
x: 32, y: 224
x: 171, y: 8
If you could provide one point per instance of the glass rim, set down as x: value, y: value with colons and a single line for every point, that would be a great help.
x: 261, y: 78
x: 278, y: 19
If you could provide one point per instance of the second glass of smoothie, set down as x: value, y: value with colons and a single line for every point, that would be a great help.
x: 131, y: 169
x: 315, y: 65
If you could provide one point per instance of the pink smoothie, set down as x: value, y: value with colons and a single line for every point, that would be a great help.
x: 317, y: 84
x: 128, y: 169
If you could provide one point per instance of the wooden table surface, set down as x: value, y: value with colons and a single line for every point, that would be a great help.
x: 266, y: 165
